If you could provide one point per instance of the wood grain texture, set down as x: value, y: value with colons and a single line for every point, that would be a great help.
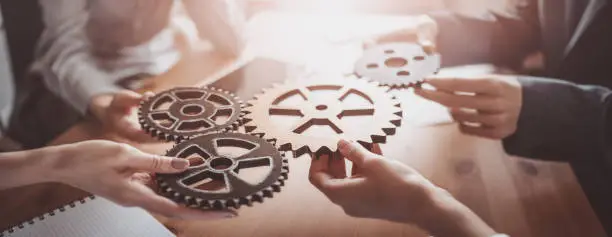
x: 517, y: 196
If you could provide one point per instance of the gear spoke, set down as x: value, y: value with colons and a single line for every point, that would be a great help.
x: 209, y: 147
x: 235, y: 183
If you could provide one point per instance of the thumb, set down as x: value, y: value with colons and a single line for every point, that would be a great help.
x: 158, y: 164
x: 354, y: 152
x: 126, y: 100
x: 427, y: 32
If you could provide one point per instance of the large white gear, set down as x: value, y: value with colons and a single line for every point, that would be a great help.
x: 380, y: 110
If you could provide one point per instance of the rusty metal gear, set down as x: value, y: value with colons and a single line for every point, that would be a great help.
x: 181, y: 113
x: 218, y: 163
x: 398, y: 64
x: 310, y: 116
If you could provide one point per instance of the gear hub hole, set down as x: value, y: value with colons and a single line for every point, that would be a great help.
x: 192, y: 110
x: 321, y: 107
x: 403, y: 73
x: 396, y: 62
x: 221, y: 163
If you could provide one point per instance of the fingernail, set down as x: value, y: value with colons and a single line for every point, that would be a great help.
x: 230, y: 215
x: 344, y: 146
x: 179, y: 164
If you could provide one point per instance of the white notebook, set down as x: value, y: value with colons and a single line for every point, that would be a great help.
x: 91, y: 217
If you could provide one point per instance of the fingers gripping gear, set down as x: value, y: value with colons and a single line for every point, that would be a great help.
x: 181, y: 113
x: 218, y: 176
x: 398, y: 64
x: 319, y: 121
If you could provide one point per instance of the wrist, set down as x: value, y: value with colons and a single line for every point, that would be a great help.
x: 98, y: 104
x: 59, y: 161
x: 449, y: 217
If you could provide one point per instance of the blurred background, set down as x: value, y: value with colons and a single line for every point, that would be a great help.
x: 20, y: 26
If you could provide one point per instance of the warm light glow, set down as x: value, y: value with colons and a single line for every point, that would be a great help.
x: 321, y: 6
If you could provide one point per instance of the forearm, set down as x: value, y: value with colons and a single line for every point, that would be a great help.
x: 451, y: 218
x: 28, y: 167
x: 223, y: 22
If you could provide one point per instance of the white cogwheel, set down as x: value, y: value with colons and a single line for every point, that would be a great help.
x: 398, y: 64
x: 312, y: 115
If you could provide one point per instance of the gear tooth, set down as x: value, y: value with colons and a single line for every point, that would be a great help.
x: 258, y: 197
x: 247, y: 200
x: 230, y: 203
x: 396, y: 123
x: 221, y: 204
x: 268, y: 192
x: 276, y: 186
x: 388, y: 131
x: 199, y: 201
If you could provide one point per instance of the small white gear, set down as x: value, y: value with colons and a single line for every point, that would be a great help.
x: 327, y: 102
x: 398, y: 64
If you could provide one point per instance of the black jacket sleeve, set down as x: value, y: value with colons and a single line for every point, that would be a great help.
x: 563, y: 121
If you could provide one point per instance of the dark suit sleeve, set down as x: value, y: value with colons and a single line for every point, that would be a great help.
x: 562, y: 121
x: 502, y: 39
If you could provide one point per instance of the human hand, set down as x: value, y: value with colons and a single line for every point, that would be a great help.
x: 378, y: 187
x: 486, y: 106
x: 121, y: 173
x: 114, y: 110
x: 387, y: 189
x: 424, y: 31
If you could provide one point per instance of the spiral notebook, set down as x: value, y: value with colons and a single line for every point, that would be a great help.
x: 91, y: 217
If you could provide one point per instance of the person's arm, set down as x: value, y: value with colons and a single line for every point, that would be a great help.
x: 562, y: 120
x: 115, y: 171
x: 536, y: 117
x: 26, y: 167
x: 386, y: 189
x: 223, y: 22
x: 504, y: 39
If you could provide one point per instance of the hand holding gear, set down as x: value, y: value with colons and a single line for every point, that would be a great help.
x: 216, y: 179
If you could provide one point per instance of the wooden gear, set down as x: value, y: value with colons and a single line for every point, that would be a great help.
x: 208, y: 162
x: 181, y: 113
x: 381, y: 109
x: 398, y: 64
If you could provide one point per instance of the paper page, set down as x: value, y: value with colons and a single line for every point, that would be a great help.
x: 96, y: 217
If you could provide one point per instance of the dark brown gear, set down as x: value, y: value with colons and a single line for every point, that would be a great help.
x: 398, y: 65
x: 218, y: 176
x: 181, y: 113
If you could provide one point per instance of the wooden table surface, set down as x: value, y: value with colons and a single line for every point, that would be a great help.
x: 517, y: 196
